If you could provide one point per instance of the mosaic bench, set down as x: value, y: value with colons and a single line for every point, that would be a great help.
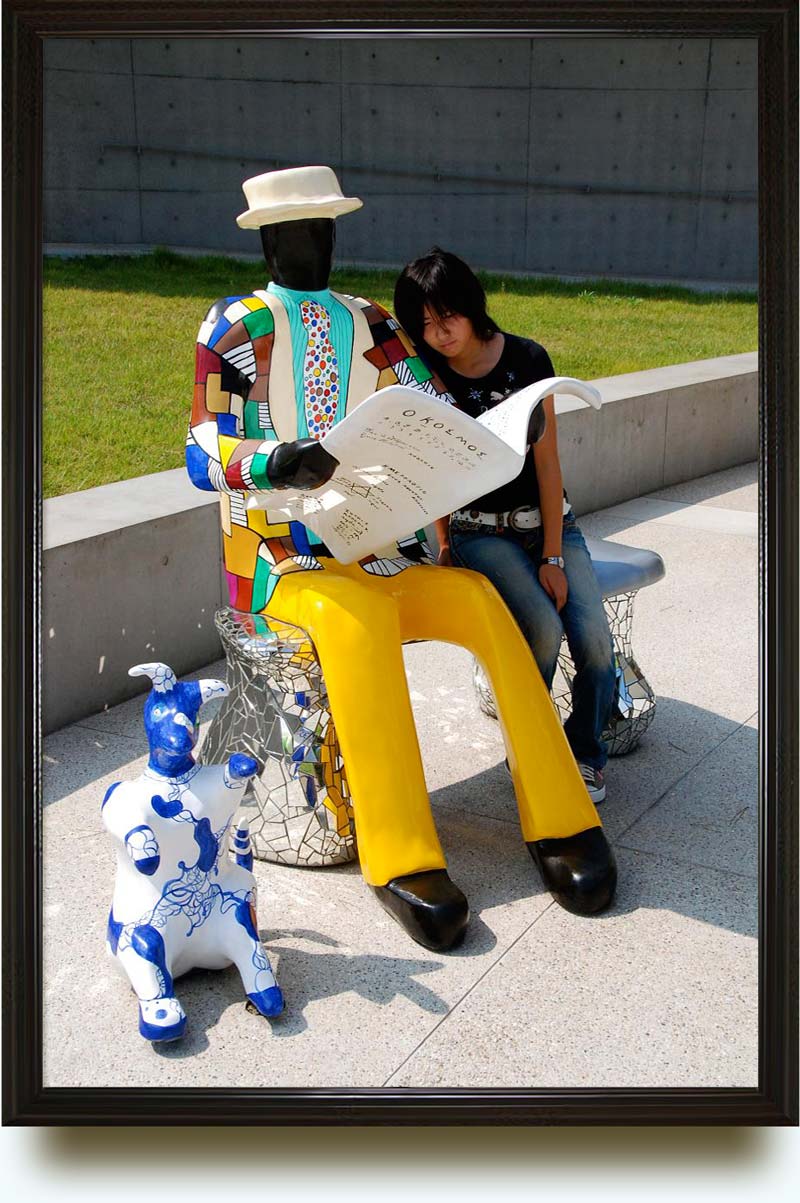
x: 622, y: 571
x: 298, y: 807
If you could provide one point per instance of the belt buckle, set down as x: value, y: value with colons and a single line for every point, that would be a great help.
x: 513, y: 517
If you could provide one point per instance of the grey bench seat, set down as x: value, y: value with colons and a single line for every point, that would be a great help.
x: 624, y: 569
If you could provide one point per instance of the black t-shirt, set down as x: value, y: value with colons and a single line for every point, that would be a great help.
x: 522, y: 362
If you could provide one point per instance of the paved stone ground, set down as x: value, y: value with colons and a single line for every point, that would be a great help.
x: 660, y: 991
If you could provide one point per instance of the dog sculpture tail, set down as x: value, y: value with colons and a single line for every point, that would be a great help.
x: 242, y: 846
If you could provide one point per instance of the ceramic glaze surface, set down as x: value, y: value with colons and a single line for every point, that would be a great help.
x: 183, y: 899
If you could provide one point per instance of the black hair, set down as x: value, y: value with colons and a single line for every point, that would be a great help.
x: 446, y: 285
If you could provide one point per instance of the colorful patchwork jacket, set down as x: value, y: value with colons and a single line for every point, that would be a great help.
x: 275, y: 366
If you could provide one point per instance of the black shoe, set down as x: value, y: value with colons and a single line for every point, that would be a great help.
x: 429, y: 906
x: 579, y: 870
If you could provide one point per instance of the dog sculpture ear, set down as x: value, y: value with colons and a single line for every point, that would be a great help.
x: 161, y: 675
x: 211, y: 688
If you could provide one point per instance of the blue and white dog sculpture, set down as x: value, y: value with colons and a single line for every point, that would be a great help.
x: 180, y: 900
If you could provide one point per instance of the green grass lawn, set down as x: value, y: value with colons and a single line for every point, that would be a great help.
x: 119, y: 337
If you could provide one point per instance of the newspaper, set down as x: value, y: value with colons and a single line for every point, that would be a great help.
x: 407, y: 458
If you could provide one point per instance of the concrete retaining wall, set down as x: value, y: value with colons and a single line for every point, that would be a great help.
x: 626, y: 157
x: 659, y: 428
x: 131, y: 571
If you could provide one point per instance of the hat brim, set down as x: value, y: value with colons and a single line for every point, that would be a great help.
x: 333, y: 206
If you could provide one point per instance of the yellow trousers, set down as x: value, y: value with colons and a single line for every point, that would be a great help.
x: 358, y: 624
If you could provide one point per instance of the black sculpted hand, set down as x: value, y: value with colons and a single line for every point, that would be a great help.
x: 303, y: 464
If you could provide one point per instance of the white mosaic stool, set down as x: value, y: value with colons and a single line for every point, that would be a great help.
x: 298, y: 806
x: 622, y: 571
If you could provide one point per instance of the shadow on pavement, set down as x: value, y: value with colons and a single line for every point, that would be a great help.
x: 306, y: 977
x: 644, y: 789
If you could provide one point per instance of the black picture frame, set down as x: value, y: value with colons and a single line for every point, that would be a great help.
x: 774, y: 23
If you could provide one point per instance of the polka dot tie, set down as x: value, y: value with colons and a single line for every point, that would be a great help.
x: 320, y: 370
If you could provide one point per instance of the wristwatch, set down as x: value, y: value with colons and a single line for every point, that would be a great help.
x: 557, y: 560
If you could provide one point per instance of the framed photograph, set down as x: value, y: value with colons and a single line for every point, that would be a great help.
x: 608, y: 149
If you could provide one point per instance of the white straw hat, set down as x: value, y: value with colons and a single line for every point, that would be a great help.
x: 293, y: 194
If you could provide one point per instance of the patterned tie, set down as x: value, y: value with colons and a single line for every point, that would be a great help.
x: 320, y: 370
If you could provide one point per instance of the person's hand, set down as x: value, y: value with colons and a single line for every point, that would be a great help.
x: 302, y: 464
x: 554, y: 582
x: 445, y: 557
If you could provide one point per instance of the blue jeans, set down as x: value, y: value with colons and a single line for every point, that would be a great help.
x: 511, y: 561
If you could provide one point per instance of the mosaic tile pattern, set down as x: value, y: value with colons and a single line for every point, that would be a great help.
x: 298, y: 807
x: 634, y: 700
x: 245, y: 402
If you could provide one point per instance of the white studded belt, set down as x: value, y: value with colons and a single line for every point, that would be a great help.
x: 524, y: 517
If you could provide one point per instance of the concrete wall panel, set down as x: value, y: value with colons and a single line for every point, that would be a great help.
x: 407, y: 185
x: 730, y: 148
x: 609, y: 235
x: 285, y: 59
x: 628, y: 450
x: 700, y: 418
x: 197, y: 219
x: 166, y: 172
x: 481, y: 233
x: 636, y: 63
x: 727, y: 241
x: 734, y: 63
x: 446, y: 62
x: 630, y: 138
x: 107, y: 55
x: 265, y: 121
x: 617, y: 139
x: 80, y: 215
x: 84, y: 112
x: 476, y: 135
x: 139, y: 593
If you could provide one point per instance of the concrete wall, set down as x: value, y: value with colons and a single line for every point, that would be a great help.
x: 658, y: 428
x: 582, y: 156
x: 131, y: 571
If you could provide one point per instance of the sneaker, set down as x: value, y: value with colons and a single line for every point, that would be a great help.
x: 595, y: 782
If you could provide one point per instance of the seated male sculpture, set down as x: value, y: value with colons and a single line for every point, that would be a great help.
x: 275, y: 370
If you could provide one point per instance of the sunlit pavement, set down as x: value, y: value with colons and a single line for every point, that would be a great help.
x: 659, y: 991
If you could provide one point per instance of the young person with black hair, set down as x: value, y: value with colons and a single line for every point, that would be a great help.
x: 522, y: 536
